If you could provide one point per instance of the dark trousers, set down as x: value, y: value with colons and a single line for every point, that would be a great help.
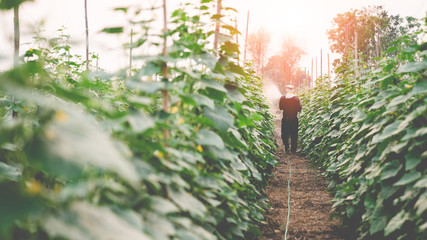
x: 290, y: 128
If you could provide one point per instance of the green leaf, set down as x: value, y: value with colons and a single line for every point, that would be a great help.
x: 422, y: 132
x: 388, y: 131
x: 419, y: 88
x: 398, y: 100
x: 148, y: 87
x: 209, y: 138
x: 188, y: 203
x: 422, y: 183
x: 378, y: 219
x: 412, y: 67
x: 359, y: 116
x: 124, y: 9
x: 390, y: 169
x: 85, y: 221
x: 15, y: 204
x: 208, y: 59
x: 230, y: 48
x: 408, y: 178
x: 235, y: 95
x: 113, y: 30
x: 210, y: 84
x: 396, y: 222
x: 74, y: 139
x: 9, y: 4
x: 162, y: 205
x: 140, y: 122
x: 220, y: 117
x: 237, y: 139
x: 411, y: 160
x: 232, y: 29
x: 8, y: 172
x: 421, y: 204
x: 202, y: 100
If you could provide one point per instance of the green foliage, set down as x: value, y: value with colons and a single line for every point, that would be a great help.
x: 369, y: 134
x: 376, y: 30
x: 9, y: 4
x: 93, y: 155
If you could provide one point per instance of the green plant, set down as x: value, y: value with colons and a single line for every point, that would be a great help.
x: 95, y: 155
x: 369, y: 134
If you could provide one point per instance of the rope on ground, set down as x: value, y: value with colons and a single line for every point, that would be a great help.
x: 289, y: 195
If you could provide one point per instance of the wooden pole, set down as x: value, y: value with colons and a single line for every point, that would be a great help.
x: 328, y: 65
x: 16, y: 35
x: 165, y: 69
x: 305, y: 74
x: 87, y: 36
x: 237, y: 41
x: 346, y: 43
x: 321, y: 63
x: 316, y: 67
x: 218, y: 12
x: 130, y: 52
x: 355, y: 55
x: 312, y: 75
x: 237, y: 35
x: 246, y: 40
x: 16, y: 41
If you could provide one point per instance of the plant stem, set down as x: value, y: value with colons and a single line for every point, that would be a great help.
x: 165, y: 69
x: 16, y: 47
x: 218, y: 12
x: 87, y: 37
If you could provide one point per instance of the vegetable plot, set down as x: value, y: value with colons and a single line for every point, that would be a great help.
x: 94, y: 155
x: 370, y: 135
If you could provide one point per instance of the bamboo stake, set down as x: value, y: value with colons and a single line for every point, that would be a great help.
x: 16, y: 35
x: 246, y: 40
x: 316, y: 68
x: 130, y: 52
x: 321, y: 63
x: 16, y: 47
x: 165, y: 69
x: 355, y: 55
x: 217, y: 25
x: 312, y: 75
x: 237, y: 35
x: 87, y: 36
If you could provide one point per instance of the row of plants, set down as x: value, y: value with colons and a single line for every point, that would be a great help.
x: 179, y: 149
x: 369, y: 133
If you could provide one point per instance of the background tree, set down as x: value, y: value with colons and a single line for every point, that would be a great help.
x: 282, y: 68
x: 257, y: 46
x: 376, y: 32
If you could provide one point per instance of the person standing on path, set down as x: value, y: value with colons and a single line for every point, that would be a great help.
x: 290, y: 105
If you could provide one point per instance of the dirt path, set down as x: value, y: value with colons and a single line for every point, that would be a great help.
x: 310, y: 202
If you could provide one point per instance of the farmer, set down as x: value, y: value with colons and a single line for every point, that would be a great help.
x: 290, y: 105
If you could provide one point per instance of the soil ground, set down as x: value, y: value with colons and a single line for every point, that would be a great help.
x: 310, y: 202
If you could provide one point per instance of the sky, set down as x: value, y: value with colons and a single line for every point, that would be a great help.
x: 306, y: 21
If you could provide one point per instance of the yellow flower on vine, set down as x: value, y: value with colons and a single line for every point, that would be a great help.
x: 49, y: 134
x: 199, y: 148
x: 159, y: 154
x: 61, y: 116
x: 33, y: 186
x: 174, y: 109
x: 57, y: 188
x: 180, y: 121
